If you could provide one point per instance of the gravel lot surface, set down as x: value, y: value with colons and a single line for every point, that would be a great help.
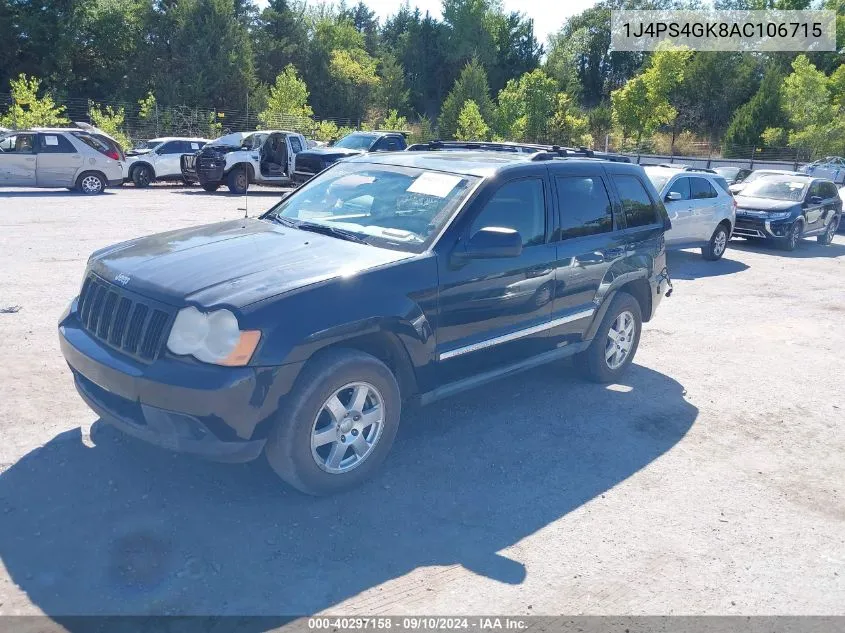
x: 712, y: 481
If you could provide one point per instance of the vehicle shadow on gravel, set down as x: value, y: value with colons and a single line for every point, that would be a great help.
x: 691, y: 265
x: 806, y: 249
x: 124, y: 528
x: 58, y: 193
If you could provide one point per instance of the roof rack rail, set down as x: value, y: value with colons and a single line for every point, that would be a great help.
x: 475, y: 145
x: 687, y: 167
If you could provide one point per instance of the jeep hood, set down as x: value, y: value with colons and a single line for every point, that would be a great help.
x: 233, y: 263
x: 764, y: 204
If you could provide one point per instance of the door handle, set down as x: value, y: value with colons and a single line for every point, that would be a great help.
x: 589, y: 258
x: 613, y: 253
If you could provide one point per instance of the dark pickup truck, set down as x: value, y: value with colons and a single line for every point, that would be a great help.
x: 310, y: 162
x: 387, y: 279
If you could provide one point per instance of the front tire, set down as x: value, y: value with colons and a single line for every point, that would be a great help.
x: 338, y: 423
x: 615, y: 343
x: 142, y: 176
x: 790, y: 243
x: 238, y: 181
x: 717, y: 245
x: 826, y: 238
x: 91, y: 183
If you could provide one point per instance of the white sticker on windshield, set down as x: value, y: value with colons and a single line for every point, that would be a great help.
x: 195, y: 145
x: 51, y: 140
x: 796, y: 185
x: 434, y: 184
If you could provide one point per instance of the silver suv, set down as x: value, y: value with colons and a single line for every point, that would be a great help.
x: 59, y: 157
x: 702, y: 209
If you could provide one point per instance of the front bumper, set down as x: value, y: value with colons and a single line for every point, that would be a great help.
x: 205, y: 410
x: 748, y: 226
x: 301, y: 177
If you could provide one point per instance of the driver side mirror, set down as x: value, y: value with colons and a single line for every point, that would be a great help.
x: 815, y: 199
x: 491, y: 242
x: 673, y: 196
x: 332, y: 141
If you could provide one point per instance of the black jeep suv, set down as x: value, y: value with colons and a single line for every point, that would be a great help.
x: 389, y: 278
x: 310, y: 162
x: 786, y: 208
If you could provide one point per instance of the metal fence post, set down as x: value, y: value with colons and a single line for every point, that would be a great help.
x: 753, y: 152
x: 709, y: 152
x: 795, y: 164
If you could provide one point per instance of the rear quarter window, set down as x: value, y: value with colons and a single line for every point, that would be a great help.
x: 636, y: 203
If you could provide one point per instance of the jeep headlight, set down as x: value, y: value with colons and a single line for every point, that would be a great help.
x: 212, y: 337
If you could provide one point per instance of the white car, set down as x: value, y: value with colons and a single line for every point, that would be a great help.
x: 832, y: 167
x: 759, y: 173
x: 159, y: 159
x: 702, y: 210
x: 236, y: 160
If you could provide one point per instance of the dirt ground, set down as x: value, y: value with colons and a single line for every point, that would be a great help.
x: 711, y: 481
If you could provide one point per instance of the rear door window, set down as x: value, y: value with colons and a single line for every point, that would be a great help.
x: 700, y: 189
x: 585, y: 207
x: 55, y: 144
x: 637, y: 204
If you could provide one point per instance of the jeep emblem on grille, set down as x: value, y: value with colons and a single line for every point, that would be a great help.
x: 122, y: 279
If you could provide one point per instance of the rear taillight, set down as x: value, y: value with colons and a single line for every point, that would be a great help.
x: 113, y: 154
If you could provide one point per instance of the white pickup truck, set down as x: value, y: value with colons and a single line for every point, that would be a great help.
x: 236, y: 160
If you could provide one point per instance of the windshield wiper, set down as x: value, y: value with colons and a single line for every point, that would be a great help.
x: 324, y: 229
x: 284, y: 221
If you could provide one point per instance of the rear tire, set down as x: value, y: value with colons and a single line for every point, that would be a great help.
x: 238, y: 180
x: 91, y: 183
x: 615, y: 343
x: 718, y: 244
x: 324, y: 440
x: 826, y: 238
x: 211, y: 187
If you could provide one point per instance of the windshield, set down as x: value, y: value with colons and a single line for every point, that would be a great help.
x: 727, y: 172
x: 356, y: 141
x: 754, y: 175
x: 658, y: 178
x: 777, y: 188
x: 148, y: 145
x: 390, y: 206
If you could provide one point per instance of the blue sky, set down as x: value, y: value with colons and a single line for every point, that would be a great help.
x: 548, y: 15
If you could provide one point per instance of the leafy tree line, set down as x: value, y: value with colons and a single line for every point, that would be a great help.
x: 477, y: 72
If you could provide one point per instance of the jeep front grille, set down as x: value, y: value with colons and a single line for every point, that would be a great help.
x: 123, y: 320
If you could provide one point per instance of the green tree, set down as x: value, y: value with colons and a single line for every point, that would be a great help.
x: 643, y: 103
x: 391, y: 92
x: 567, y: 125
x: 813, y: 115
x: 30, y: 110
x: 471, y: 85
x: 762, y: 111
x: 111, y: 121
x: 288, y: 100
x: 280, y: 37
x: 525, y: 107
x: 393, y: 121
x: 471, y: 125
x: 600, y: 122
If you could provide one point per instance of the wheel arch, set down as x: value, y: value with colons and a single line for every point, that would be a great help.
x: 86, y: 172
x: 250, y: 170
x: 636, y: 285
x: 142, y: 163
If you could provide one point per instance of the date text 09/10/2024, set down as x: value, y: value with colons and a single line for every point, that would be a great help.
x: 416, y: 623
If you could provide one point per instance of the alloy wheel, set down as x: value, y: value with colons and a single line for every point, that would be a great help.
x: 620, y: 340
x: 347, y: 428
x: 91, y: 184
x: 720, y: 242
